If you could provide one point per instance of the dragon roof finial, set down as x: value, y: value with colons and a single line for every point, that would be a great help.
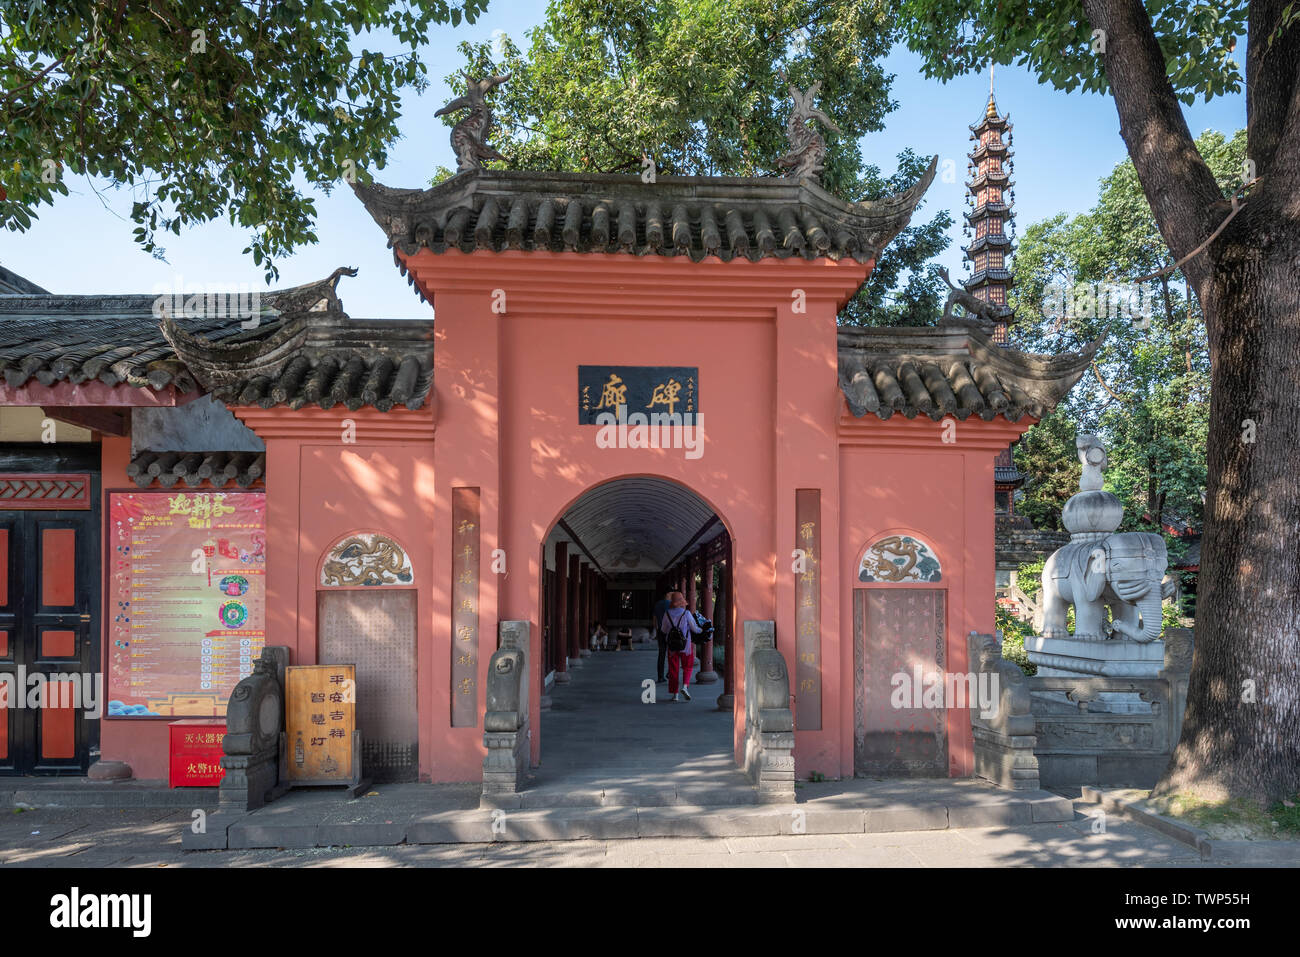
x: 469, y: 136
x: 807, y: 147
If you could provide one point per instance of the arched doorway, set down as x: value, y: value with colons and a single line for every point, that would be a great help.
x: 607, y: 559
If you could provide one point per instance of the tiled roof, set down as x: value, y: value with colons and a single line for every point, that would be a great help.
x: 13, y: 284
x: 299, y: 347
x: 315, y: 355
x: 1017, y: 546
x: 109, y: 339
x: 727, y: 217
x: 953, y: 369
x: 193, y: 468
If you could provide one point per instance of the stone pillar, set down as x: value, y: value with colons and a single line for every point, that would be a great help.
x: 560, y: 642
x: 574, y: 599
x: 505, y: 720
x: 769, y: 722
x: 707, y: 675
x: 727, y: 700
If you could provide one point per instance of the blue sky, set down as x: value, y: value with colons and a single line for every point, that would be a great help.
x: 1064, y: 144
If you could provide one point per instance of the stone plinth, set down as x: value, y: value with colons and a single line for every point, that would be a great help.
x: 1111, y: 658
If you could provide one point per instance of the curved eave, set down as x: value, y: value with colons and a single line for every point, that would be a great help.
x: 695, y: 217
x: 952, y: 370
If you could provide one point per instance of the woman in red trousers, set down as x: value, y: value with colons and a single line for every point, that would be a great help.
x: 682, y: 660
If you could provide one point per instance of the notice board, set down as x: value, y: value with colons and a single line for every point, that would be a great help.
x: 320, y: 723
x: 186, y: 599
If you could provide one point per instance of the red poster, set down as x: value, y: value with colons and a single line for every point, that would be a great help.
x: 186, y: 599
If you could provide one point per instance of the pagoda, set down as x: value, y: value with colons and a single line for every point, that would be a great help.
x: 990, y: 219
x: 991, y: 222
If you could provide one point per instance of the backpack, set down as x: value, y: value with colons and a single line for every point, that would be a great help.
x: 676, y: 639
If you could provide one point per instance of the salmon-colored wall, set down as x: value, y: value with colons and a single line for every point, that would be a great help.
x: 507, y: 387
x: 335, y: 473
x: 511, y: 330
x: 900, y: 477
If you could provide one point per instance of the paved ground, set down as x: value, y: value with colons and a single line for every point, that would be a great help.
x: 601, y: 733
x: 606, y: 752
x: 139, y: 838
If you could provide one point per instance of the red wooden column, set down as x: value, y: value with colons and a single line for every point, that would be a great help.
x: 707, y: 675
x: 575, y: 605
x: 692, y: 564
x: 727, y: 700
x: 561, y: 642
x: 584, y: 620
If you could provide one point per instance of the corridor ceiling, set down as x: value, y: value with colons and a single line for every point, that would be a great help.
x: 638, y: 524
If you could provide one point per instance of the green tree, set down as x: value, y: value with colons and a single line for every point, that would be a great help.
x: 695, y: 86
x: 1148, y: 394
x: 1241, y: 730
x: 204, y: 107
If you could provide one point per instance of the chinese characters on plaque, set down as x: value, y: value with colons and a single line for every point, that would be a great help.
x: 808, y: 611
x: 650, y: 390
x: 464, y: 610
x: 320, y: 721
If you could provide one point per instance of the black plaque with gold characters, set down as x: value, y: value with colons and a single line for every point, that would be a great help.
x: 649, y: 390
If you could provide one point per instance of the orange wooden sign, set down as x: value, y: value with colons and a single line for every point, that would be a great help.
x: 320, y: 721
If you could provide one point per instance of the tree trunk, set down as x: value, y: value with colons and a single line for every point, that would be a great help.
x: 1241, y: 732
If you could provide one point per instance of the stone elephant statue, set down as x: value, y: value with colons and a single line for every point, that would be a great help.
x: 1122, y: 570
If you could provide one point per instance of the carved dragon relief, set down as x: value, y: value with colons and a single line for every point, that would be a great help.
x: 366, y: 559
x: 899, y: 558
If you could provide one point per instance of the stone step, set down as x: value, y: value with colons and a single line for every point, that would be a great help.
x: 118, y: 794
x: 370, y: 827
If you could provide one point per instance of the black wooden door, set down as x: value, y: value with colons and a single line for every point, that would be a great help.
x: 48, y: 640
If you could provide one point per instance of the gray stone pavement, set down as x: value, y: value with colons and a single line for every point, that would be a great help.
x: 630, y: 785
x: 139, y: 838
x: 599, y: 733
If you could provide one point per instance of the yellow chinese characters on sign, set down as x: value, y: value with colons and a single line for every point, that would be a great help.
x: 200, y: 507
x: 320, y: 718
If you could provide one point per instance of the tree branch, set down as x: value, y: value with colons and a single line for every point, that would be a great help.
x: 1175, y: 178
x: 1272, y: 91
x: 18, y: 89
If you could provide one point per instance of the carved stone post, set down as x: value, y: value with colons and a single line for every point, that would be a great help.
x: 505, y: 722
x: 1005, y: 739
x: 254, y: 721
x: 769, y: 722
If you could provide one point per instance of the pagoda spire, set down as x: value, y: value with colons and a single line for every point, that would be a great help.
x: 990, y: 219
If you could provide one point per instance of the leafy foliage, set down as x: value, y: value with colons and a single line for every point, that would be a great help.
x: 1148, y: 394
x: 1056, y: 42
x: 1014, y: 632
x: 204, y: 106
x: 695, y: 87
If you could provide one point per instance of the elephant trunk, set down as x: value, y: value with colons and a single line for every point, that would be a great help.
x: 1152, y: 620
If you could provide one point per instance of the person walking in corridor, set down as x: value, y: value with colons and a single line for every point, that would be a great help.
x: 677, y: 625
x: 661, y: 606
